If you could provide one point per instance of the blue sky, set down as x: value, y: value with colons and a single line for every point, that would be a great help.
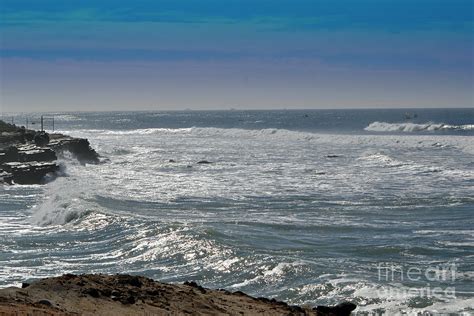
x: 209, y: 54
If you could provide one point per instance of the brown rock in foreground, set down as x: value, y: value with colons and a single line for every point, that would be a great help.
x: 133, y: 295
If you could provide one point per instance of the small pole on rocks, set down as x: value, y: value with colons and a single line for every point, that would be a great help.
x: 42, y: 123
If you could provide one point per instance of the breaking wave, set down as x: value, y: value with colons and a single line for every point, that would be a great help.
x: 412, y: 127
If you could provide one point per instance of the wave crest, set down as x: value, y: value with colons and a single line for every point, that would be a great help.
x: 413, y: 127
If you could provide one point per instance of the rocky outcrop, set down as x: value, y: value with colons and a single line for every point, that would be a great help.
x: 203, y: 162
x: 135, y: 295
x: 26, y: 164
x: 41, y: 139
x: 6, y: 177
x: 29, y: 172
x: 26, y: 153
x: 32, y: 153
x: 27, y: 157
x: 79, y: 147
x: 9, y: 154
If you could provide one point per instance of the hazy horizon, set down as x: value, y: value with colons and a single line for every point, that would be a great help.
x: 216, y: 55
x: 409, y: 110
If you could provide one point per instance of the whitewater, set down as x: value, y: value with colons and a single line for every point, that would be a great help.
x: 303, y: 206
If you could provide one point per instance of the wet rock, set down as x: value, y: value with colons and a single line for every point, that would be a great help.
x: 342, y: 309
x: 36, y: 154
x: 6, y: 177
x: 11, y: 138
x: 204, y: 162
x: 28, y: 136
x: 30, y: 172
x: 9, y: 154
x: 79, y: 147
x: 26, y: 156
x: 41, y: 139
x: 24, y: 285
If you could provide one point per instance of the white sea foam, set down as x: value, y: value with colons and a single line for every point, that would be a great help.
x: 412, y: 127
x: 55, y: 209
x: 460, y: 142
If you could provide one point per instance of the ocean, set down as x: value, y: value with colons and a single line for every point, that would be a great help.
x: 308, y: 206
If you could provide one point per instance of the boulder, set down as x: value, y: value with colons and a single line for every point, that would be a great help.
x: 41, y: 139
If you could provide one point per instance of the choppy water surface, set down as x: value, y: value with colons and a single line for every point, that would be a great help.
x: 304, y: 206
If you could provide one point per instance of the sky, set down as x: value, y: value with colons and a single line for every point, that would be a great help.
x: 87, y: 55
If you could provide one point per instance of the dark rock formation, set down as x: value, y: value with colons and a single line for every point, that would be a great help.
x: 26, y: 164
x: 32, y: 153
x: 29, y: 172
x: 79, y: 147
x: 6, y: 177
x: 9, y: 154
x: 28, y: 136
x: 41, y: 139
x: 204, y: 162
x: 342, y: 309
x: 26, y: 156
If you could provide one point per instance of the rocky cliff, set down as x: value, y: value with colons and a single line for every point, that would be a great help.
x: 27, y: 156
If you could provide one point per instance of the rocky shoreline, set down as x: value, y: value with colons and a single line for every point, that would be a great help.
x: 29, y: 157
x: 98, y: 294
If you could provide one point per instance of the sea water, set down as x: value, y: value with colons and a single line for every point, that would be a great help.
x: 311, y: 206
